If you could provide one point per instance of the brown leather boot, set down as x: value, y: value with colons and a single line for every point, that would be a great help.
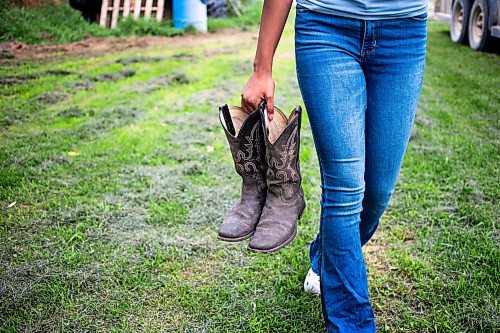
x: 246, y: 142
x: 285, y: 199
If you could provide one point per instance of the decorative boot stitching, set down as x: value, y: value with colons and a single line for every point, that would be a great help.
x: 281, y: 171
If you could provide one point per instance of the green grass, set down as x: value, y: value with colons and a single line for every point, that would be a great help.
x: 250, y: 17
x: 122, y: 236
x: 63, y: 24
x: 54, y: 24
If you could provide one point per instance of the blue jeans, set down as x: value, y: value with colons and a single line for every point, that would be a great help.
x: 360, y: 81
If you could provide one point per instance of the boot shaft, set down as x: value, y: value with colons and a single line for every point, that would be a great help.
x: 247, y: 144
x: 282, y: 143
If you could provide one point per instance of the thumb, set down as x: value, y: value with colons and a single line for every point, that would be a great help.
x: 270, y: 107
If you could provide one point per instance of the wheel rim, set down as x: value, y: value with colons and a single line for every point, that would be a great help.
x: 477, y: 25
x: 458, y: 19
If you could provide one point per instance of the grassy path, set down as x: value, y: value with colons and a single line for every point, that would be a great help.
x: 120, y: 175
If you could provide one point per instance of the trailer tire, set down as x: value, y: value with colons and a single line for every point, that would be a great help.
x: 478, y: 27
x: 460, y: 11
x: 216, y: 8
x: 90, y: 9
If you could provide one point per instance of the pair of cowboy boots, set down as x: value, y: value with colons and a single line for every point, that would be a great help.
x: 266, y: 156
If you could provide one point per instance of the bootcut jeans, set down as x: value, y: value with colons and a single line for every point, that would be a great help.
x: 360, y: 82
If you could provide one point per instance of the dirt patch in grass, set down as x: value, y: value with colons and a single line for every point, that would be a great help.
x: 104, y: 120
x: 132, y: 226
x: 135, y: 60
x: 220, y: 51
x: 243, y: 68
x: 6, y: 55
x: 177, y: 77
x: 284, y: 96
x: 110, y: 77
x: 19, y: 79
x: 422, y: 147
x: 217, y: 95
x: 184, y: 56
x: 17, y: 114
x: 192, y: 137
x: 52, y: 97
x: 373, y: 252
x: 199, y: 125
x: 95, y: 46
x: 85, y: 84
x: 186, y: 196
x: 471, y: 192
x: 421, y: 119
x: 54, y: 161
x: 21, y: 51
x: 74, y: 112
x: 140, y: 186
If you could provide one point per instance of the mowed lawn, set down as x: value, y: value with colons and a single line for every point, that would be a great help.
x: 115, y: 176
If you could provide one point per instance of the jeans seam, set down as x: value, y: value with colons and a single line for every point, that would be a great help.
x: 362, y: 53
x: 365, y: 54
x: 371, y: 50
x: 320, y: 264
x: 320, y: 249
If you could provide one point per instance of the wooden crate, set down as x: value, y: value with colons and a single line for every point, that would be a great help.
x: 111, y: 10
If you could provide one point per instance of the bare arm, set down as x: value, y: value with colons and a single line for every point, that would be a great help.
x: 261, y: 84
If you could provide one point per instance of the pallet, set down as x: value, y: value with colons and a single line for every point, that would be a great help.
x: 112, y: 9
x: 236, y: 6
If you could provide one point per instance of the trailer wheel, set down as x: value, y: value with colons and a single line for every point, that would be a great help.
x: 216, y: 8
x: 479, y: 32
x: 459, y: 21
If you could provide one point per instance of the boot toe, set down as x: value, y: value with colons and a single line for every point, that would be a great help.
x: 263, y: 243
x: 270, y: 241
x: 229, y: 230
x: 234, y: 230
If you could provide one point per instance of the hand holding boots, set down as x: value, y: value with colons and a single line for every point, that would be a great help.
x: 266, y: 156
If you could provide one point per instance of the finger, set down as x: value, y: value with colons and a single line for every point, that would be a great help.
x: 270, y: 107
x: 253, y: 103
x: 245, y: 106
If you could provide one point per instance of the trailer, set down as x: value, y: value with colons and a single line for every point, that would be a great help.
x: 476, y: 22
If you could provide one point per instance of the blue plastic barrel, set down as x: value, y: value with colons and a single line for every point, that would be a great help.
x: 190, y: 13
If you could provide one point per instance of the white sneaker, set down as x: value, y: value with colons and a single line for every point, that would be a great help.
x: 311, y: 283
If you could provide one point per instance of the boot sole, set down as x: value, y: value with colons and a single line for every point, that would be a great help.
x: 237, y: 239
x: 282, y: 245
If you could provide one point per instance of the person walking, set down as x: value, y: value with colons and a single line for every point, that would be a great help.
x: 360, y: 67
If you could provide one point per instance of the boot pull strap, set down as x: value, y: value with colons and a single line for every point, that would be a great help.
x: 227, y: 119
x: 263, y: 109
